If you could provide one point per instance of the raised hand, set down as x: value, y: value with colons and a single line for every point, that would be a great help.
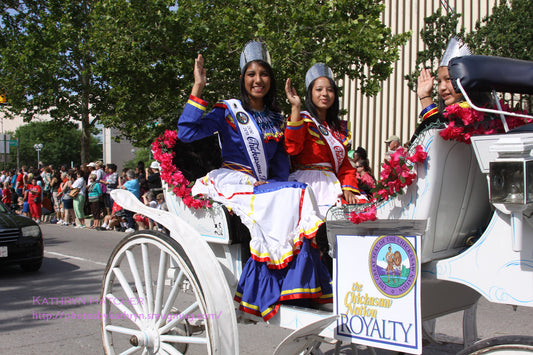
x: 425, y: 83
x: 294, y: 100
x: 200, y: 78
x: 292, y: 96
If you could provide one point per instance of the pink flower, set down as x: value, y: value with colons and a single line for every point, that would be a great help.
x: 419, y: 155
x: 368, y: 214
x: 465, y: 122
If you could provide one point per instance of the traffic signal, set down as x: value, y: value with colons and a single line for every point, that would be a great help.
x: 3, y: 98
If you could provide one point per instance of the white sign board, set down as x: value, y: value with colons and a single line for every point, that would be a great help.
x: 4, y: 143
x: 377, y: 296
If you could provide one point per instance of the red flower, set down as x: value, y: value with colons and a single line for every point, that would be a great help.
x: 163, y: 152
x: 368, y: 214
x: 466, y: 122
x: 419, y: 155
x: 395, y: 175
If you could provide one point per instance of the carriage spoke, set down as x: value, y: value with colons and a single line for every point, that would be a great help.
x: 121, y: 330
x: 147, y: 278
x: 132, y: 317
x: 126, y: 287
x: 170, y: 349
x: 138, y: 283
x: 183, y: 339
x: 132, y: 350
x: 171, y: 297
x: 177, y: 318
x: 163, y: 263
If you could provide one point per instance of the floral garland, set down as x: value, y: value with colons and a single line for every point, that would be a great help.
x: 465, y: 122
x: 163, y: 150
x: 396, y: 174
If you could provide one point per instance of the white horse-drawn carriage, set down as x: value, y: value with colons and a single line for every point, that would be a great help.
x: 471, y: 205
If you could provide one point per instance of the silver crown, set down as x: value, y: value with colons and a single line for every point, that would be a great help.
x: 254, y: 50
x: 456, y: 48
x: 316, y: 71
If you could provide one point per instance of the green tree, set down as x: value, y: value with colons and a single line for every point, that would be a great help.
x: 46, y: 66
x: 128, y: 63
x: 507, y: 32
x: 146, y: 50
x: 437, y: 31
x: 60, y: 144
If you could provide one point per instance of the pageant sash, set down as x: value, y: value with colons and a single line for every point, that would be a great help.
x: 336, y: 147
x: 251, y: 137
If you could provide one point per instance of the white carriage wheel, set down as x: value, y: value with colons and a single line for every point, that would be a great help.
x: 511, y: 344
x: 155, y: 308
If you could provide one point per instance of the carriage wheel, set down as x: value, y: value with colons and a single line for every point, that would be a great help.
x: 152, y: 302
x: 513, y: 344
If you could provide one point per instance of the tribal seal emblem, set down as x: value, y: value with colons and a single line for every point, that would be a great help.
x: 394, y: 265
x: 242, y: 117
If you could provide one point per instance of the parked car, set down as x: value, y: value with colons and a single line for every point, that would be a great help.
x: 21, y: 240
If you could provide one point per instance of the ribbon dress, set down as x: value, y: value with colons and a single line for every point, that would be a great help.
x: 319, y: 159
x: 281, y: 216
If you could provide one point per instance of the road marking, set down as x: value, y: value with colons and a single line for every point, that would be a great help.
x: 74, y: 257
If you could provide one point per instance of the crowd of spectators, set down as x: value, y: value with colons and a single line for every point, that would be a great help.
x: 70, y: 196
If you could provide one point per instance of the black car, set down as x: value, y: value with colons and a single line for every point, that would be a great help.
x: 21, y: 240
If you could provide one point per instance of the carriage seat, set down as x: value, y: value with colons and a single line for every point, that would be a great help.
x: 450, y: 193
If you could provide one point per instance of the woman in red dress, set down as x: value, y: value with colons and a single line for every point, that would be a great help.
x: 34, y: 200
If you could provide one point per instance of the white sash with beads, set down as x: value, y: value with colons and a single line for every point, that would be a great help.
x: 251, y: 137
x: 337, y: 148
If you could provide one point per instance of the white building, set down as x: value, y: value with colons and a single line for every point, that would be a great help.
x: 113, y: 152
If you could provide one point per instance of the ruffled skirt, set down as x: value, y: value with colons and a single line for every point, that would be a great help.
x: 282, y: 218
x: 261, y: 290
x: 325, y: 185
x: 279, y: 215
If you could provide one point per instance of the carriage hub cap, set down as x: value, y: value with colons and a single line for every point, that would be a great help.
x: 149, y: 338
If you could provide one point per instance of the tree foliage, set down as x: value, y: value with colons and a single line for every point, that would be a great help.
x: 46, y: 64
x: 60, y: 144
x: 507, y: 32
x: 146, y: 50
x: 129, y: 63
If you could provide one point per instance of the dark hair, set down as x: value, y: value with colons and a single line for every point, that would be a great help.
x: 362, y: 153
x: 270, y: 98
x: 112, y: 166
x: 332, y: 115
x: 366, y: 166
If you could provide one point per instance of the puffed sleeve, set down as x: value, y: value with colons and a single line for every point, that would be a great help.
x: 193, y: 125
x: 295, y: 137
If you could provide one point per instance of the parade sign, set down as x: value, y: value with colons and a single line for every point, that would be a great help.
x: 377, y: 296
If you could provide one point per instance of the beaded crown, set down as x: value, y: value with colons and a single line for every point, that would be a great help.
x: 254, y: 50
x: 455, y: 48
x: 316, y: 71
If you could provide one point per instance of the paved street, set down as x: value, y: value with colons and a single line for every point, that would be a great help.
x: 72, y: 272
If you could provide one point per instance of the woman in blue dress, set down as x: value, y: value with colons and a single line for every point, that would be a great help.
x: 252, y: 182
